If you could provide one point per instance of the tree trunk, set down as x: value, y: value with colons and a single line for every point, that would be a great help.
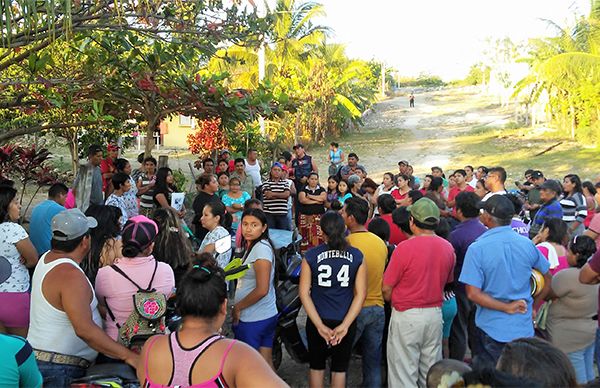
x: 149, y: 142
x: 74, y: 150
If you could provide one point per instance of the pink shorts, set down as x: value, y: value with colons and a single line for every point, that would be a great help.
x: 14, y: 309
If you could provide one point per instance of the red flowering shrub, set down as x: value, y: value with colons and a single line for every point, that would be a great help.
x: 209, y: 136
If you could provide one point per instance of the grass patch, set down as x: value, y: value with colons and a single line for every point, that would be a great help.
x: 517, y: 149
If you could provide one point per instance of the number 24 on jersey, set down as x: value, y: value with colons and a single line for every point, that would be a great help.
x: 325, y: 272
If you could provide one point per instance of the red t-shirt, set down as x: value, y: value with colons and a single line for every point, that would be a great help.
x: 454, y: 192
x: 396, y: 234
x: 106, y: 166
x: 419, y: 269
x: 397, y: 196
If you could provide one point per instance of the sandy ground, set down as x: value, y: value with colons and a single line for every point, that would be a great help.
x: 423, y: 135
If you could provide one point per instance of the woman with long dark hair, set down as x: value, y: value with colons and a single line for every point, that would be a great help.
x: 163, y: 189
x: 333, y: 287
x: 573, y: 204
x: 105, y: 246
x: 172, y: 245
x: 136, y: 268
x: 217, y: 221
x: 196, y: 354
x: 255, y: 310
x: 17, y: 253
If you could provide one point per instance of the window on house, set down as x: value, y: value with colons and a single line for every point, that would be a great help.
x: 185, y: 121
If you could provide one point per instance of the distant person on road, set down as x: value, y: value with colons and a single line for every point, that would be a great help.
x: 411, y: 100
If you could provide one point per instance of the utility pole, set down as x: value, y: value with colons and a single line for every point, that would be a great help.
x: 262, y: 12
x: 382, y: 79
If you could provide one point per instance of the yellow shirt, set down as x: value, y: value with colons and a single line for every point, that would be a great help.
x: 374, y: 256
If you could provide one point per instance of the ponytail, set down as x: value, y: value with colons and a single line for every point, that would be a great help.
x: 218, y: 209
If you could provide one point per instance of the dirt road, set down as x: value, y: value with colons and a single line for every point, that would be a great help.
x: 422, y: 135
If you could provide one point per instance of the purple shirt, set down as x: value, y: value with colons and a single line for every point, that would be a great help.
x: 520, y: 227
x: 461, y: 237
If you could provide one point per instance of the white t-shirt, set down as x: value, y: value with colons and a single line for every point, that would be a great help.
x: 490, y: 194
x: 254, y: 171
x: 473, y: 182
x: 265, y: 307
x: 10, y: 234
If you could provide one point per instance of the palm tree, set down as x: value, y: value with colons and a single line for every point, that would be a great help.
x: 567, y: 67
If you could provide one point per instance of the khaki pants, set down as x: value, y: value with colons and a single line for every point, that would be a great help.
x: 414, y: 344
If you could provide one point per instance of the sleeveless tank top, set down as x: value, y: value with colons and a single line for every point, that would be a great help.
x: 336, y: 156
x: 254, y: 171
x: 50, y: 329
x: 183, y: 362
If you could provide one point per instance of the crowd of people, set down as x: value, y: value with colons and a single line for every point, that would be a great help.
x: 430, y: 279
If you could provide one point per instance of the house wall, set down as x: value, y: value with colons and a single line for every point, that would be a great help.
x: 174, y: 131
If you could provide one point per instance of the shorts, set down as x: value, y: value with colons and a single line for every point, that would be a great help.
x: 319, y: 350
x: 258, y: 334
x: 14, y: 309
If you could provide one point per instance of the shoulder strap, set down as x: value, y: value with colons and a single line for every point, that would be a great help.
x: 120, y: 272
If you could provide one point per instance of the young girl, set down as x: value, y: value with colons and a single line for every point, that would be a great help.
x: 333, y: 287
x: 217, y: 221
x: 332, y: 191
x: 401, y: 193
x: 344, y: 192
x: 386, y: 187
x: 223, y: 180
x: 254, y: 314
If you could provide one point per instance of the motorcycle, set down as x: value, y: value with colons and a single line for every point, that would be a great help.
x: 287, y: 266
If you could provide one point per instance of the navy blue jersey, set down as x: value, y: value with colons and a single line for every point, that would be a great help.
x: 333, y: 275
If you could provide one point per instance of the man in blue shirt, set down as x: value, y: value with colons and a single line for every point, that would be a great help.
x: 549, y: 192
x: 496, y: 272
x: 469, y: 229
x: 41, y: 217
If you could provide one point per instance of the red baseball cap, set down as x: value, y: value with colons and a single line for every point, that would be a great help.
x: 112, y: 147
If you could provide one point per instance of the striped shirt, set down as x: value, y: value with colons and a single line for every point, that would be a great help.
x: 275, y: 205
x: 146, y: 199
x: 574, y: 208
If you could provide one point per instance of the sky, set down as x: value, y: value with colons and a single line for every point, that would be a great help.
x: 439, y: 37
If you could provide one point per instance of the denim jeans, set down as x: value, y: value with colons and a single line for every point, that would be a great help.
x: 278, y: 221
x: 583, y: 363
x: 597, y: 348
x: 59, y: 375
x: 487, y: 350
x: 369, y: 331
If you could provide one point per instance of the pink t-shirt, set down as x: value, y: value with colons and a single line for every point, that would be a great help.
x: 595, y: 227
x: 562, y: 260
x: 116, y: 291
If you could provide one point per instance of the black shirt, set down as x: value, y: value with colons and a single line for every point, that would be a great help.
x: 201, y: 199
x: 313, y: 208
